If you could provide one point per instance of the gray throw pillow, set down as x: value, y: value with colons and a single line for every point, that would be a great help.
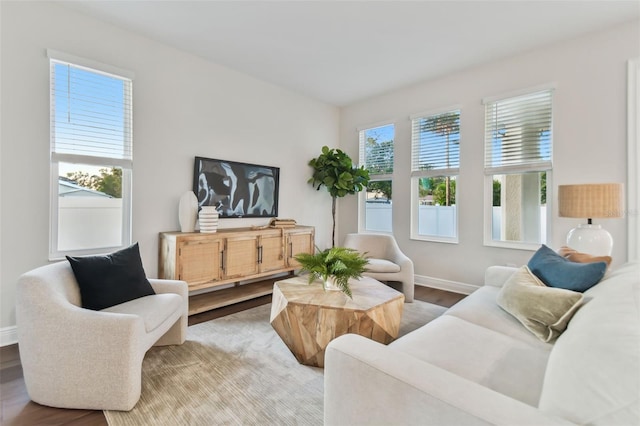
x: 544, y: 311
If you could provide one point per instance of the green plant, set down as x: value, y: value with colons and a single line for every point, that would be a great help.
x: 440, y: 194
x: 341, y: 263
x: 335, y: 170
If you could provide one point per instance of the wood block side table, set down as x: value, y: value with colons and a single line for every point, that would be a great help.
x: 307, y: 318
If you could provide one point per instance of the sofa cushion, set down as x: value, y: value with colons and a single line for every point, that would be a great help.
x: 112, y: 279
x: 544, y: 311
x: 491, y: 359
x: 480, y: 308
x: 556, y: 271
x: 381, y: 265
x: 153, y: 310
x: 593, y: 374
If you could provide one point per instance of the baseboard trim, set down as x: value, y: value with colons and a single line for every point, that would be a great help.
x: 8, y: 335
x: 447, y: 285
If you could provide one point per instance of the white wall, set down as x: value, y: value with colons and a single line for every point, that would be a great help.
x: 589, y: 74
x: 183, y: 107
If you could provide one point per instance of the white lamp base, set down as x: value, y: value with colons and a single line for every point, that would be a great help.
x: 591, y: 239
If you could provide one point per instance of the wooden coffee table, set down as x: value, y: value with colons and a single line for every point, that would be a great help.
x: 307, y: 317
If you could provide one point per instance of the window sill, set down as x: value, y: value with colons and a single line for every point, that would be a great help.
x: 432, y: 239
x: 513, y: 245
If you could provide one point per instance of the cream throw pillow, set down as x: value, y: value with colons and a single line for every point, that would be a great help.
x: 544, y: 311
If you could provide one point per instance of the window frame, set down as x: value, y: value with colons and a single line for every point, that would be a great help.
x: 431, y: 173
x: 633, y: 159
x: 362, y: 196
x: 490, y: 172
x: 55, y: 158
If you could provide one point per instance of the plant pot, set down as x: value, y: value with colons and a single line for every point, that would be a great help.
x: 330, y: 284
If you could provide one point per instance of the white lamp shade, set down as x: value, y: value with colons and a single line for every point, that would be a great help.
x: 591, y: 239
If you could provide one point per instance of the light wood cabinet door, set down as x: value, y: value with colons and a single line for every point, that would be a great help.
x: 298, y: 243
x: 231, y: 255
x: 240, y: 256
x: 271, y: 253
x: 199, y: 261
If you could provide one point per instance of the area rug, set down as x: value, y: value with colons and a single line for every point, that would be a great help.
x: 236, y: 370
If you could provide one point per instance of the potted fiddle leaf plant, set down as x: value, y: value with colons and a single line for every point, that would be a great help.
x: 335, y: 170
x: 334, y: 266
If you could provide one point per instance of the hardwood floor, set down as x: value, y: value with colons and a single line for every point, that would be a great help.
x: 18, y: 410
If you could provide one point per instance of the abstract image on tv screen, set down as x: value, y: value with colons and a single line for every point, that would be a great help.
x: 236, y: 189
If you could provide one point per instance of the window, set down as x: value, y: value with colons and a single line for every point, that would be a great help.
x: 91, y: 157
x: 376, y: 155
x: 435, y: 164
x: 518, y: 147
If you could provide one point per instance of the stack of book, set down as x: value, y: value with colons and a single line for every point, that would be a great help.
x: 282, y: 223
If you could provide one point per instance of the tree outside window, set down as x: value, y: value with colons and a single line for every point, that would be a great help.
x: 435, y: 162
x: 377, y: 156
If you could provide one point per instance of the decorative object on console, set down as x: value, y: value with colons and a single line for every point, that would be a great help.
x: 590, y: 201
x: 188, y: 212
x: 282, y: 223
x: 236, y: 189
x: 335, y: 170
x: 208, y: 218
x: 334, y: 266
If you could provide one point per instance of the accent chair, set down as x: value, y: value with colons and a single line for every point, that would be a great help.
x: 386, y: 261
x: 74, y: 357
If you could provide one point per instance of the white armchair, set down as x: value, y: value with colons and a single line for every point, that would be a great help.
x: 386, y: 261
x: 79, y: 358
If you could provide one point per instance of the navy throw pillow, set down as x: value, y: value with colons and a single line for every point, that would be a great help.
x: 556, y: 271
x: 111, y: 279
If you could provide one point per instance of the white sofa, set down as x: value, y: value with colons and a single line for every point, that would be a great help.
x: 79, y: 358
x: 477, y: 365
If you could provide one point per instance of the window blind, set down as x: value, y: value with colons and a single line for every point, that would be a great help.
x: 435, y: 143
x: 376, y: 151
x: 518, y: 133
x: 91, y: 113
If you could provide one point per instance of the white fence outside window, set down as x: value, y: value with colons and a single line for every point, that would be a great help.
x: 438, y: 221
x: 89, y: 222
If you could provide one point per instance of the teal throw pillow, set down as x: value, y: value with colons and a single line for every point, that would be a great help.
x: 556, y: 271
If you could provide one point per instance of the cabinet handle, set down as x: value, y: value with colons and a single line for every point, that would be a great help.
x: 290, y: 249
x: 222, y: 260
x: 259, y: 254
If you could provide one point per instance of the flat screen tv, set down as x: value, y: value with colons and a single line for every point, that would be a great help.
x: 236, y: 189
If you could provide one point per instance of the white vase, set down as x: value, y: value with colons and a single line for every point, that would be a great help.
x: 188, y: 212
x: 330, y: 284
x: 208, y: 218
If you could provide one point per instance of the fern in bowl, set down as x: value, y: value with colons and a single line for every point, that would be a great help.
x: 334, y: 266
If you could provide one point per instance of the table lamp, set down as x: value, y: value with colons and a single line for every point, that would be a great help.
x: 600, y: 200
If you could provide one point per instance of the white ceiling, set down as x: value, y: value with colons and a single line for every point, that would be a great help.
x: 344, y: 51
